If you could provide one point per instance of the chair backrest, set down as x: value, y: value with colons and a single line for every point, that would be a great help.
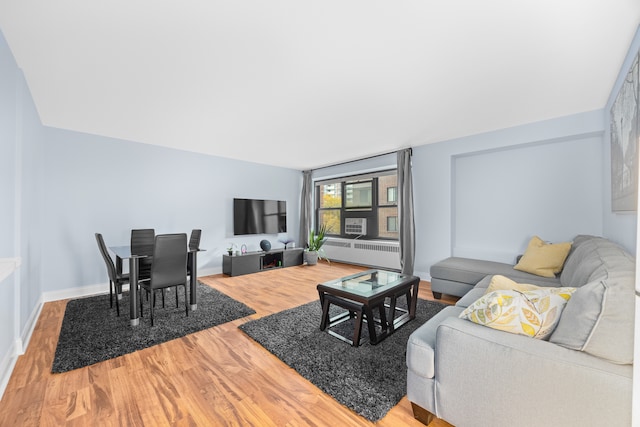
x: 111, y: 268
x: 169, y: 266
x: 142, y: 241
x: 194, y: 240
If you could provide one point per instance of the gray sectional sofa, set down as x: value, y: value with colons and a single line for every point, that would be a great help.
x: 581, y: 375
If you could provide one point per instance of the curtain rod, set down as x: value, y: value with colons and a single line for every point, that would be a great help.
x: 363, y: 158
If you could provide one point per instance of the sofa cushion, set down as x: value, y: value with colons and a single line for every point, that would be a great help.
x: 472, y: 271
x: 422, y: 343
x: 465, y: 270
x: 475, y: 293
x: 500, y: 282
x: 599, y: 319
x: 543, y: 259
x: 590, y: 258
x: 533, y: 313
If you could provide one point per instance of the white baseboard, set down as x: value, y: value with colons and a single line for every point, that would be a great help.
x: 209, y: 271
x: 18, y: 348
x: 6, y: 367
x: 103, y: 288
x: 29, y: 327
x: 422, y: 275
x: 78, y: 292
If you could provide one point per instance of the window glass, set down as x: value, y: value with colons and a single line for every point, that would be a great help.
x: 392, y: 194
x: 357, y: 195
x: 330, y: 218
x: 331, y: 195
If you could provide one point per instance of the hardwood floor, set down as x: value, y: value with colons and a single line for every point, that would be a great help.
x: 217, y: 376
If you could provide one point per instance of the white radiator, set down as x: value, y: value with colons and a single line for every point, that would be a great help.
x: 369, y: 253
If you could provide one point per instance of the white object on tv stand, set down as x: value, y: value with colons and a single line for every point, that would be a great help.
x: 7, y: 266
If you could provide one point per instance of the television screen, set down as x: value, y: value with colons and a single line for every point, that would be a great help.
x: 252, y: 216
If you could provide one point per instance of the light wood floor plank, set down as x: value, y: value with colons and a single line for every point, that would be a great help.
x: 218, y: 376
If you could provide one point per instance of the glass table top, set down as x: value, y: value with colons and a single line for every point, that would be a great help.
x: 367, y: 283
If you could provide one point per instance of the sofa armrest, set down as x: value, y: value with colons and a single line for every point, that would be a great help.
x: 507, y: 379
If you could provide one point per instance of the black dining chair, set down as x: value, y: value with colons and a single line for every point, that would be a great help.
x: 194, y: 245
x: 116, y: 280
x: 142, y: 241
x: 169, y: 268
x: 194, y: 239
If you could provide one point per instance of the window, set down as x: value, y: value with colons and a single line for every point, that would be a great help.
x: 358, y: 195
x: 392, y: 223
x: 392, y: 194
x: 330, y: 206
x: 369, y: 201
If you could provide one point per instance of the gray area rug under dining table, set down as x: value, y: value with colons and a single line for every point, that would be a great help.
x: 91, y: 331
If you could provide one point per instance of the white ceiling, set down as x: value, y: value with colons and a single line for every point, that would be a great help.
x: 302, y: 84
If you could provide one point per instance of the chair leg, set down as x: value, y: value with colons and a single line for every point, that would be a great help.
x: 162, y: 290
x: 177, y: 296
x: 140, y: 299
x: 186, y: 300
x: 110, y: 293
x: 153, y: 303
x: 118, y: 290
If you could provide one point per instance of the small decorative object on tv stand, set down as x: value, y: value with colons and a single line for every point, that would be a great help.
x: 285, y: 241
x: 230, y: 248
x: 265, y: 245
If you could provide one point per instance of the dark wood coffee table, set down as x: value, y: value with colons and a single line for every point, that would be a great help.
x: 364, y: 293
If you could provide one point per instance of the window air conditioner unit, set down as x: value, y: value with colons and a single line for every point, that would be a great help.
x: 355, y: 226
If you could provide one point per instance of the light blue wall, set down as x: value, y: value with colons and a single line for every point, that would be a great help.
x: 20, y: 210
x: 485, y: 195
x: 9, y: 84
x: 97, y: 184
x: 620, y: 227
x: 502, y: 197
x: 8, y: 113
x: 31, y: 212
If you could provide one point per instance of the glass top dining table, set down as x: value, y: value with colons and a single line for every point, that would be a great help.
x: 124, y: 253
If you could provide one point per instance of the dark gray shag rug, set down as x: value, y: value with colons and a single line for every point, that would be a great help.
x: 92, y: 332
x: 370, y: 379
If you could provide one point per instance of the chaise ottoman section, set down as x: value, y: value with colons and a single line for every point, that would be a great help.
x: 457, y: 276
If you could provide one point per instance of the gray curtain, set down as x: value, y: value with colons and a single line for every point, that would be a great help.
x: 406, y: 224
x: 305, y: 207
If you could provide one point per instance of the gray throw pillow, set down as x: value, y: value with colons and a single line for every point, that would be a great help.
x: 599, y: 319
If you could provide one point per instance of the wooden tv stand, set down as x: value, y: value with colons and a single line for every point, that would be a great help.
x: 253, y: 262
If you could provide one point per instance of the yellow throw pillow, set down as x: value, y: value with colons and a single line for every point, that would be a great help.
x: 543, y: 259
x: 531, y: 313
x: 502, y: 283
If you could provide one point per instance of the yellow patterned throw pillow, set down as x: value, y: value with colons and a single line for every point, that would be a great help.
x: 532, y: 313
x: 543, y: 259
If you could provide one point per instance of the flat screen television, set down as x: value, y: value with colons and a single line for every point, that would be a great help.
x: 253, y: 216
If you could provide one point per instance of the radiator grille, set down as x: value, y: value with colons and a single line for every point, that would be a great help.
x: 377, y: 247
x: 367, y: 253
x: 338, y: 243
